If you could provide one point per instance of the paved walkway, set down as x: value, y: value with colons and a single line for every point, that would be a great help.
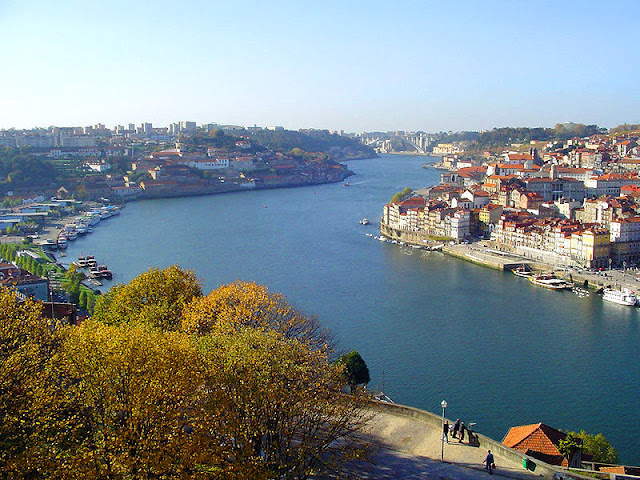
x: 411, y: 449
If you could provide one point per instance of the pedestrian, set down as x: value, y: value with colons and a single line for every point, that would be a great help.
x: 456, y: 428
x: 489, y: 463
x: 462, y: 428
x: 445, y: 432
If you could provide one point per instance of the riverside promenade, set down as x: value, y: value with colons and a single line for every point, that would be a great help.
x: 498, y: 260
x: 407, y: 445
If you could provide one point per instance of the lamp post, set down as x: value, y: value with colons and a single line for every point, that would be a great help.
x: 444, y: 406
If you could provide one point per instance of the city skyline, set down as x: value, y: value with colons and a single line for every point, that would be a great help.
x: 357, y: 67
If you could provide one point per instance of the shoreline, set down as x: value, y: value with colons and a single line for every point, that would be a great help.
x: 489, y: 257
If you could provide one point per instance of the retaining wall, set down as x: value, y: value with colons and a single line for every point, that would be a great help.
x: 500, y: 450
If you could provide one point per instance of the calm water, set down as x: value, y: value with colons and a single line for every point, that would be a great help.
x: 500, y: 351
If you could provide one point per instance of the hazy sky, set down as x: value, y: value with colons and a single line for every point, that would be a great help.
x: 352, y: 65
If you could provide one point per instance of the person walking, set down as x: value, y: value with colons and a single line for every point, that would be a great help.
x: 489, y: 465
x: 461, y: 431
x: 456, y: 428
x: 445, y: 431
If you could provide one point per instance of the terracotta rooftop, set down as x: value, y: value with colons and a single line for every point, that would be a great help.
x: 537, y: 440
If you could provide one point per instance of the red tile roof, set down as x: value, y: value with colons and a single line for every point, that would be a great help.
x: 537, y: 440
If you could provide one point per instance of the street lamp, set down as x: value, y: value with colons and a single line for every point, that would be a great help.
x: 444, y: 406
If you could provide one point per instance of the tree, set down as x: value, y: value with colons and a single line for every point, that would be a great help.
x: 598, y: 447
x: 27, y: 341
x: 156, y: 297
x: 71, y: 283
x: 82, y: 300
x: 356, y: 371
x: 399, y: 196
x: 284, y: 409
x: 127, y: 402
x: 569, y: 445
x: 244, y: 304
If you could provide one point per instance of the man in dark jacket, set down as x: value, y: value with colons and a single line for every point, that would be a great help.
x: 489, y: 462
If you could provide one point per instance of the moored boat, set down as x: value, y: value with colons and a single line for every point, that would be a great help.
x: 523, y: 271
x: 548, y: 280
x: 621, y: 297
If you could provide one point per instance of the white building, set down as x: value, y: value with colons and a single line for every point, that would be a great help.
x: 209, y: 164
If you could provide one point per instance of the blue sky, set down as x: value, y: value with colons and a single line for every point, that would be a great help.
x: 352, y: 65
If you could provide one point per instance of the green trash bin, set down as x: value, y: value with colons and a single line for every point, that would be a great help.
x: 525, y: 463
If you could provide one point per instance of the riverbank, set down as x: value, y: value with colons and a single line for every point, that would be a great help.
x: 488, y: 255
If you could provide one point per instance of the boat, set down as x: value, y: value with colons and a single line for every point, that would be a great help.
x: 548, y: 280
x: 346, y: 184
x: 365, y: 221
x: 82, y: 262
x: 522, y: 271
x: 621, y: 297
x: 106, y: 274
x: 81, y: 228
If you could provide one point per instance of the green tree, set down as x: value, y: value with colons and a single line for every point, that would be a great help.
x: 82, y: 299
x: 598, y: 447
x: 569, y: 445
x: 356, y: 371
x: 399, y: 196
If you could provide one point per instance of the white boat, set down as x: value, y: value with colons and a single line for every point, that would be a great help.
x: 365, y: 221
x: 549, y: 281
x: 621, y: 297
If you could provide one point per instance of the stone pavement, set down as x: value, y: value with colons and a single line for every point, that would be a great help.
x: 411, y: 449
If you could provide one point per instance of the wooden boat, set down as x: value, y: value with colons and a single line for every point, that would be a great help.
x: 548, y: 280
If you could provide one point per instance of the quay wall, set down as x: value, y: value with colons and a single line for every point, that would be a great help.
x: 413, y: 238
x: 484, y: 261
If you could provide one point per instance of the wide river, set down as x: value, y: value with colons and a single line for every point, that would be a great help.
x: 501, y: 351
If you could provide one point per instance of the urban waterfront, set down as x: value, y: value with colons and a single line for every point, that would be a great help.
x: 500, y: 351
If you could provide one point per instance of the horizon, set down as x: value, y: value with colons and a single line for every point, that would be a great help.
x: 359, y: 67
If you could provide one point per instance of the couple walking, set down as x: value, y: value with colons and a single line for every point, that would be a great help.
x: 457, y: 429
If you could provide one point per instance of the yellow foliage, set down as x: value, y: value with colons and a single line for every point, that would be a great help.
x: 243, y: 304
x: 26, y: 343
x: 156, y: 297
x: 129, y: 404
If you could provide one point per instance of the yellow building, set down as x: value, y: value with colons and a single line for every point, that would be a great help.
x: 591, y: 247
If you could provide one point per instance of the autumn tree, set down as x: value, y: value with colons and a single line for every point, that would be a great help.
x: 27, y: 341
x: 156, y: 297
x: 285, y: 410
x: 128, y: 402
x: 246, y: 304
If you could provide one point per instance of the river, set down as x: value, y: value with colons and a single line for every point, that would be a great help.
x: 501, y: 351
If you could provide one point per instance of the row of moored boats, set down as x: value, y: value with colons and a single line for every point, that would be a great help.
x: 95, y: 271
x: 398, y: 242
x: 84, y: 224
x: 623, y: 296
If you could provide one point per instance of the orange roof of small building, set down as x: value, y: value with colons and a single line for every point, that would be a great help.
x: 537, y: 440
